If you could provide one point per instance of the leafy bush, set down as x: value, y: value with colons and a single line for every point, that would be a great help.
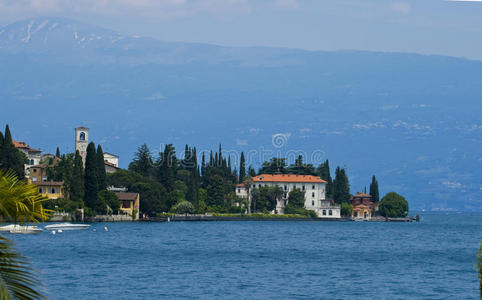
x: 183, y: 207
x: 346, y: 209
x: 289, y: 210
x: 393, y: 205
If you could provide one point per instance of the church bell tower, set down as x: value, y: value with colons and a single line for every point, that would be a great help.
x: 81, y: 141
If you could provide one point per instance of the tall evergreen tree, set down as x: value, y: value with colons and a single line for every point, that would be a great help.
x: 77, y: 188
x: 91, y: 181
x: 57, y: 152
x: 12, y: 158
x: 341, y: 187
x: 242, y: 168
x: 167, y: 167
x: 101, y: 169
x: 374, y: 189
x: 142, y: 163
x: 324, y: 172
x: 251, y: 171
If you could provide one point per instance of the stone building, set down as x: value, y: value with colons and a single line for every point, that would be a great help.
x: 313, y: 187
x: 34, y: 156
x: 82, y: 141
x: 363, y: 206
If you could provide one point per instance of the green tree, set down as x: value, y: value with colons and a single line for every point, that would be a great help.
x: 91, y: 181
x: 167, y: 167
x: 393, y: 205
x: 296, y: 199
x: 57, y: 153
x: 215, y: 191
x: 19, y: 201
x: 251, y: 172
x: 77, y: 186
x: 323, y: 171
x: 275, y: 165
x: 152, y: 194
x: 374, y: 189
x: 108, y: 202
x: 101, y: 169
x: 341, y: 187
x: 242, y: 168
x: 346, y: 209
x: 301, y: 168
x: 142, y: 163
x: 264, y: 199
x: 12, y: 158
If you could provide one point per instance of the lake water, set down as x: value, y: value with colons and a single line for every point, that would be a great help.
x: 433, y: 259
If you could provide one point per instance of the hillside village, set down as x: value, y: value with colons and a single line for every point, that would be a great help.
x: 90, y: 184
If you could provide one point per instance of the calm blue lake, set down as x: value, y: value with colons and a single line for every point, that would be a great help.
x: 433, y: 259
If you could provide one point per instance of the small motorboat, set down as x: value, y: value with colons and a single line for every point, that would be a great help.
x: 7, y: 228
x: 26, y: 229
x: 67, y: 226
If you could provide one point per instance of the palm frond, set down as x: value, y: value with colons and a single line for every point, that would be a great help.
x: 17, y: 280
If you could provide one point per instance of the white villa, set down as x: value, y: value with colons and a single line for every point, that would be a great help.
x: 313, y: 186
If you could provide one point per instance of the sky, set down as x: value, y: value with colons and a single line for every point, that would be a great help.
x: 451, y: 28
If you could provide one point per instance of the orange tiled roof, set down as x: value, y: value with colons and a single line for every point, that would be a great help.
x: 23, y: 145
x: 362, y: 195
x: 287, y: 178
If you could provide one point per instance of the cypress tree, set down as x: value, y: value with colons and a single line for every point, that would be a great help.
x: 91, y: 184
x: 13, y: 158
x: 101, y: 169
x: 167, y: 167
x: 324, y: 173
x: 57, y: 152
x: 374, y: 189
x: 242, y: 168
x: 77, y: 188
x: 251, y: 171
x: 341, y: 187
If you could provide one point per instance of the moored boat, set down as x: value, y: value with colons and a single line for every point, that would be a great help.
x: 25, y: 229
x: 67, y: 226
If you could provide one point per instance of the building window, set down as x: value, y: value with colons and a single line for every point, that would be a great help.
x: 35, y: 170
x: 34, y: 178
x: 324, y: 212
x: 40, y: 190
x: 330, y: 212
x: 285, y: 195
x: 312, y: 203
x: 259, y: 185
x: 82, y: 136
x: 313, y: 187
x: 239, y: 191
x: 53, y: 191
x: 313, y: 194
x: 31, y: 161
x: 286, y: 187
x: 303, y: 188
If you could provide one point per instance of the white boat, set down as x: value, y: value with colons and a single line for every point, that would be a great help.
x: 8, y: 227
x: 25, y: 229
x: 67, y: 226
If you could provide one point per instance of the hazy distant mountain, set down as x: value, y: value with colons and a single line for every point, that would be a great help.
x: 412, y: 120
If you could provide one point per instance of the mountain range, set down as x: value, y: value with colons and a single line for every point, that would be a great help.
x: 412, y: 120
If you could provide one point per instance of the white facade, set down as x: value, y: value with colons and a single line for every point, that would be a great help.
x: 34, y: 156
x: 313, y: 187
x: 111, y: 158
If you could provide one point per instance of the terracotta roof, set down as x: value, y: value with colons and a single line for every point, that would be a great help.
x: 287, y: 178
x: 49, y: 183
x: 23, y: 145
x: 20, y: 144
x: 362, y: 195
x: 110, y: 164
x: 127, y: 196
